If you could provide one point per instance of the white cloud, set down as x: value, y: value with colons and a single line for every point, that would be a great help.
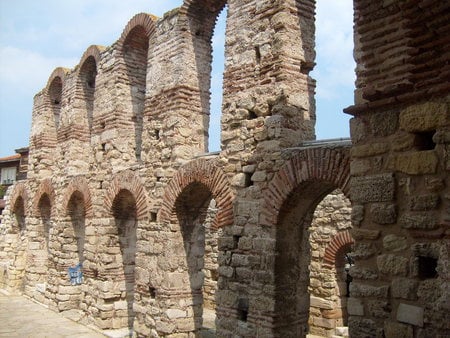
x: 26, y: 70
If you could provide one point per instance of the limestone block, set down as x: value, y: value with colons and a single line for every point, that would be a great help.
x: 359, y: 234
x: 424, y: 202
x: 321, y: 303
x: 410, y: 314
x: 121, y: 305
x: 404, y: 288
x: 419, y: 220
x: 383, y: 213
x: 384, y: 123
x: 414, y: 163
x: 357, y: 215
x: 259, y: 176
x: 397, y: 330
x: 378, y: 308
x: 226, y: 271
x: 364, y: 290
x: 392, y: 264
x: 360, y: 327
x: 175, y: 313
x: 394, y: 243
x: 355, y: 307
x: 328, y: 323
x: 369, y: 150
x: 363, y: 250
x: 424, y: 117
x: 375, y: 188
x: 360, y: 272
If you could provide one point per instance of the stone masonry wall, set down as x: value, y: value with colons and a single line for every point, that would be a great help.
x: 119, y: 181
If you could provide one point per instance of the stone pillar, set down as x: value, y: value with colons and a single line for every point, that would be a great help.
x: 400, y: 168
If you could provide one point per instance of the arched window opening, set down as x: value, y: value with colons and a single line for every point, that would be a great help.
x: 19, y: 215
x: 44, y: 207
x: 196, y: 210
x: 218, y: 65
x: 55, y: 97
x: 330, y: 264
x: 313, y: 212
x: 209, y: 58
x: 21, y: 249
x: 335, y: 67
x: 124, y: 210
x: 77, y: 215
x: 36, y: 276
x: 135, y: 51
x: 88, y: 73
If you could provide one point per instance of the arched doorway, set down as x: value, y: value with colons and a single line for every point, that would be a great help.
x: 19, y: 229
x: 124, y: 211
x: 196, y: 211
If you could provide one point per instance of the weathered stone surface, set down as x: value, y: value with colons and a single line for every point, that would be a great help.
x: 378, y: 308
x: 355, y: 307
x: 117, y: 148
x: 410, y: 314
x: 422, y: 221
x: 396, y: 330
x: 424, y: 117
x: 359, y: 234
x: 424, y: 202
x: 364, y: 290
x: 383, y: 213
x: 395, y: 243
x: 376, y: 188
x: 359, y: 327
x: 414, y: 163
x: 357, y: 214
x: 369, y: 149
x: 392, y: 264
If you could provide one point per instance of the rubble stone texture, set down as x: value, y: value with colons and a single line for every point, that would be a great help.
x: 119, y: 181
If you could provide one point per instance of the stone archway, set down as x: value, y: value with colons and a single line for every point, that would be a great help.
x: 197, y: 206
x: 292, y: 196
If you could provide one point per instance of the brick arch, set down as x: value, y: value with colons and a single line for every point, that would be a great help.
x: 93, y: 51
x: 145, y: 20
x: 19, y: 190
x: 208, y: 174
x: 315, y: 164
x: 79, y: 184
x: 46, y: 187
x: 58, y: 72
x: 340, y: 240
x: 128, y: 180
x: 205, y: 6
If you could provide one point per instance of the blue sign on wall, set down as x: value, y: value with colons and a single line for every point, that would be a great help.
x: 75, y: 274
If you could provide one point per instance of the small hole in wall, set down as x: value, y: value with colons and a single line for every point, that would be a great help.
x: 424, y: 140
x: 427, y: 267
x: 103, y: 125
x: 258, y: 54
x: 152, y: 292
x: 56, y: 102
x: 252, y: 115
x: 236, y: 241
x: 248, y: 180
x: 153, y: 216
x: 157, y: 134
x: 243, y: 309
x: 103, y: 146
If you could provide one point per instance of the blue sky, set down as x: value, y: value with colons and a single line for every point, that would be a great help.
x: 38, y: 36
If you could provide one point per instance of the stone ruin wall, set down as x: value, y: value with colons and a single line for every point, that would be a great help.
x: 114, y: 179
